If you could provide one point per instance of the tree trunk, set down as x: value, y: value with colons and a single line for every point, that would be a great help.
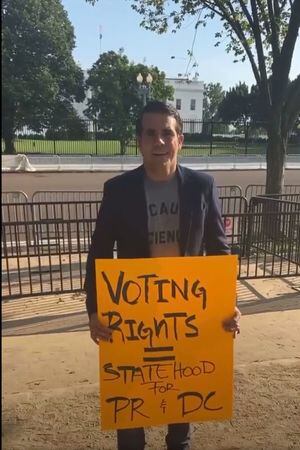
x: 8, y: 134
x: 123, y: 146
x: 9, y: 145
x: 276, y: 154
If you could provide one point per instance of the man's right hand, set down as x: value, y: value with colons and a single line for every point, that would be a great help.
x: 98, y: 331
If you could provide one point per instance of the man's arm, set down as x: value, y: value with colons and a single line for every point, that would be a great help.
x: 216, y: 244
x: 214, y: 234
x: 102, y: 245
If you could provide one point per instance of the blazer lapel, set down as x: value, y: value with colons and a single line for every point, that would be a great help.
x: 185, y: 208
x: 139, y: 208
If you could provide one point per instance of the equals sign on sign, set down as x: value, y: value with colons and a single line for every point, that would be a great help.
x: 155, y: 352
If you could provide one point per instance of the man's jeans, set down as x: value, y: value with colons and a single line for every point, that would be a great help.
x: 178, y: 438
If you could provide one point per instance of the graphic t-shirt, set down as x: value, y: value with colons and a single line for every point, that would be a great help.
x: 163, y: 217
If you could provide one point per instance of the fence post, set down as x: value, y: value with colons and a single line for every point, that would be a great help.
x: 211, y: 137
x: 246, y: 132
x: 54, y: 146
x: 95, y: 131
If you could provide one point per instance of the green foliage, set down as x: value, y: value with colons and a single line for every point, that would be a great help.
x: 264, y: 32
x: 242, y: 105
x: 240, y: 22
x: 213, y: 96
x: 39, y: 74
x: 115, y: 100
x: 70, y: 126
x: 236, y: 105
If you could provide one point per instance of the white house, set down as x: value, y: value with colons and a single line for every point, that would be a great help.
x: 81, y: 106
x: 188, y: 100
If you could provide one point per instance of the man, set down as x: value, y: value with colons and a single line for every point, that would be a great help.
x: 159, y: 209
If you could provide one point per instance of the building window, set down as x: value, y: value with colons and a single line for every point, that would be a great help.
x: 193, y: 104
x: 178, y: 103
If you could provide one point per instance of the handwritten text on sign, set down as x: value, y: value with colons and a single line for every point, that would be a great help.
x: 170, y: 359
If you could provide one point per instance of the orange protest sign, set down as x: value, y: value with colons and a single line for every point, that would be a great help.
x: 170, y: 360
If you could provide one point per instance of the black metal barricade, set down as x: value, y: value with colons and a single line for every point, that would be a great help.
x: 14, y: 197
x: 45, y: 250
x: 51, y: 266
x: 229, y: 190
x: 46, y: 253
x: 66, y: 196
x: 273, y: 236
x: 289, y: 190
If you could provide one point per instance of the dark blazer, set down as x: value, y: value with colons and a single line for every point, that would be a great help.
x: 123, y: 219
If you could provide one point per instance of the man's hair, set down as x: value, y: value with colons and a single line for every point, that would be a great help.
x: 159, y: 108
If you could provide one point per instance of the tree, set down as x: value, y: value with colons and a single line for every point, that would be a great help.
x: 236, y: 105
x: 39, y: 74
x: 66, y: 126
x: 243, y: 105
x: 213, y: 96
x: 115, y: 101
x: 265, y: 32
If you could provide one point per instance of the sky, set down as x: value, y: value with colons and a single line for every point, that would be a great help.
x: 119, y: 27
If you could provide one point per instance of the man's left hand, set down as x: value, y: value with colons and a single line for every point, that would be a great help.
x: 232, y: 324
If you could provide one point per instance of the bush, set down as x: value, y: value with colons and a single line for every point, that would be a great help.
x: 32, y: 136
x: 58, y: 135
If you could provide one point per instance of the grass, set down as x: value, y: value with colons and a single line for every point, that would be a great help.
x: 112, y: 148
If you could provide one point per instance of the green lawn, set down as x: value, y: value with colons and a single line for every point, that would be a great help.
x: 112, y: 148
x: 105, y: 148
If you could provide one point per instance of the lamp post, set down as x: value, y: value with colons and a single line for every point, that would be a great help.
x: 144, y: 86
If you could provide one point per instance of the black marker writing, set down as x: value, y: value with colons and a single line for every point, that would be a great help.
x: 193, y: 401
x: 123, y: 403
x: 157, y: 372
x: 167, y: 328
x: 134, y: 291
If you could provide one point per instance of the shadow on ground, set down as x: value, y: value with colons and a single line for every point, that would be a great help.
x: 78, y: 321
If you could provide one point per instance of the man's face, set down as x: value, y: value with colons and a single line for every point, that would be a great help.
x: 159, y: 142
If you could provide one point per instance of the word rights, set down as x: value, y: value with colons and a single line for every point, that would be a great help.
x: 169, y: 359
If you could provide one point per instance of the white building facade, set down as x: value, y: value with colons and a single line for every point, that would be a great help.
x: 188, y: 100
x: 81, y: 106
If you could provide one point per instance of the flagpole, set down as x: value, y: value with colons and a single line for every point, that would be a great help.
x: 100, y: 38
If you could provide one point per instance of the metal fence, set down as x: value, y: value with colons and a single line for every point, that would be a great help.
x: 45, y: 250
x: 34, y: 262
x: 66, y: 196
x: 253, y: 190
x: 39, y: 228
x: 201, y: 138
x: 74, y: 196
x: 273, y: 236
x: 14, y: 197
x: 229, y: 190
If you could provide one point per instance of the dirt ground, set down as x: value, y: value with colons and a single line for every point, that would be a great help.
x: 50, y: 396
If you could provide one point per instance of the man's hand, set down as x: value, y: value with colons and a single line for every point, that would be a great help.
x: 98, y: 331
x: 232, y: 324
